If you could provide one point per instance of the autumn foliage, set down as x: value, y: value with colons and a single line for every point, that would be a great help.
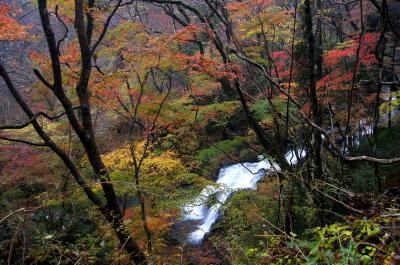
x: 11, y: 29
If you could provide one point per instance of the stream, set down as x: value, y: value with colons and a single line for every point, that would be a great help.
x: 230, y: 179
x: 206, y: 208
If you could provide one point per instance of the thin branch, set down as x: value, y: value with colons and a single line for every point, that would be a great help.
x: 327, y: 136
x: 105, y: 27
x: 21, y: 126
x: 48, y: 140
x: 42, y: 79
x: 24, y: 210
x: 65, y: 28
x: 22, y: 141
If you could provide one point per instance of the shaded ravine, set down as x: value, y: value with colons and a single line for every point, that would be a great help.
x: 230, y: 179
x: 241, y: 176
x: 238, y: 177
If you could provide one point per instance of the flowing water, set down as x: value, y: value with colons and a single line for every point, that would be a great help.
x: 230, y: 179
x: 240, y: 177
x: 233, y: 178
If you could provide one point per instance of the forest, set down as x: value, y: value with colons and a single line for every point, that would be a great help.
x: 216, y: 132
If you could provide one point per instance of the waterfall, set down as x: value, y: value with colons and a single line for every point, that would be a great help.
x: 230, y: 179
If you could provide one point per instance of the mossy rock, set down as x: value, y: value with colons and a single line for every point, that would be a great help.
x: 248, y: 155
x: 223, y: 153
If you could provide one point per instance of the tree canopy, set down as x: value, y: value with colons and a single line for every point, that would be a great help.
x: 116, y: 116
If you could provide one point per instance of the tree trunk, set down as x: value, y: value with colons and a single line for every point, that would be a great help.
x: 316, y: 113
x: 316, y: 171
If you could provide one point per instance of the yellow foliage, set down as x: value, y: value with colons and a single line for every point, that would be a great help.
x: 121, y: 159
x: 165, y: 164
x: 262, y: 17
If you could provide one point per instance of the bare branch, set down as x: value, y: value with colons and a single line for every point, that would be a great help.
x: 327, y: 136
x: 22, y: 141
x: 65, y: 28
x: 42, y: 79
x: 21, y: 126
x: 47, y: 140
x: 105, y: 27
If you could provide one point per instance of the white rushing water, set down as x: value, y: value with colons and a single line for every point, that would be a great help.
x: 292, y: 155
x: 230, y: 179
x: 240, y: 177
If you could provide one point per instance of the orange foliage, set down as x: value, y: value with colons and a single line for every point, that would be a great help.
x: 191, y: 33
x: 10, y: 29
x: 158, y: 223
x: 199, y: 64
